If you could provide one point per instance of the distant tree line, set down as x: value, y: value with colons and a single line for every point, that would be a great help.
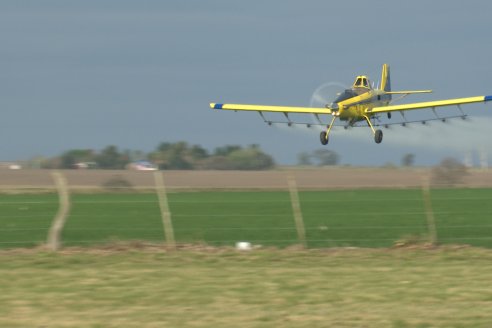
x: 327, y: 157
x: 167, y: 156
x: 320, y: 157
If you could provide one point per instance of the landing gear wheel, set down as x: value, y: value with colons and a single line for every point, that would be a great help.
x: 378, y: 136
x: 323, y: 138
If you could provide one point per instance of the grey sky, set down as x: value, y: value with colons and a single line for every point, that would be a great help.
x: 86, y: 74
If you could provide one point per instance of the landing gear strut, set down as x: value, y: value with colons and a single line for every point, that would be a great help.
x: 378, y: 134
x: 323, y: 136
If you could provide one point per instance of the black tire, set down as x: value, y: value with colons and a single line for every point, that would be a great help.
x: 323, y: 138
x: 378, y: 136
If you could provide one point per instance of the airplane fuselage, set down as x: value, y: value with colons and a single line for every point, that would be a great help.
x: 355, y: 108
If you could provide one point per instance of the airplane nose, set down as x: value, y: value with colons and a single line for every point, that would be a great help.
x: 333, y: 106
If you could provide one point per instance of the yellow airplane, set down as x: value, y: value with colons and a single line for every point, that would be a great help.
x: 362, y: 102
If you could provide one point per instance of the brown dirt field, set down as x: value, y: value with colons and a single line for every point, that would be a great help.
x: 318, y: 178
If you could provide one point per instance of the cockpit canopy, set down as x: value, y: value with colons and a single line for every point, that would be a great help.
x: 362, y: 81
x: 360, y: 86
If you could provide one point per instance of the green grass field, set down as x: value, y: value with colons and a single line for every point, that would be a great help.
x: 360, y: 218
x: 265, y: 288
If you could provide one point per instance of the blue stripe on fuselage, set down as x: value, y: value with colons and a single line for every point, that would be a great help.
x: 218, y: 106
x: 487, y: 98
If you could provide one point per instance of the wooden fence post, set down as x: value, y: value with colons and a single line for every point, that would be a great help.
x: 431, y: 222
x: 165, y: 212
x: 296, y: 209
x: 54, y: 235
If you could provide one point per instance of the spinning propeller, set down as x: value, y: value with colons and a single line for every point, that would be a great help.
x: 326, y: 94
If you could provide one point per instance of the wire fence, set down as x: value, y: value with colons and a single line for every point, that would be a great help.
x: 293, y: 208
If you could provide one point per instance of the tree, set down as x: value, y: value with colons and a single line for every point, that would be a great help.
x: 111, y: 158
x: 164, y: 146
x: 177, y: 161
x: 198, y: 152
x: 238, y: 158
x: 216, y: 163
x: 250, y: 158
x: 304, y: 159
x: 70, y: 158
x: 449, y: 172
x: 135, y: 155
x: 326, y: 157
x: 226, y: 150
x: 408, y: 160
x: 174, y: 156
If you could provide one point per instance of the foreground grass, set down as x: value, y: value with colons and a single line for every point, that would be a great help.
x: 264, y: 288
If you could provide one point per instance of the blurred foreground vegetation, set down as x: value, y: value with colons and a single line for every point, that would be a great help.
x: 447, y: 287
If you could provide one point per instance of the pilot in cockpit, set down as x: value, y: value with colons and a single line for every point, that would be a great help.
x: 361, y: 84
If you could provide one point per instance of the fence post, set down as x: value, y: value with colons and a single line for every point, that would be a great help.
x: 54, y: 235
x: 296, y: 209
x: 431, y: 222
x: 165, y: 212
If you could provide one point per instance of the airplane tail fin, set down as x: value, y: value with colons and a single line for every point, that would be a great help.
x: 385, y: 78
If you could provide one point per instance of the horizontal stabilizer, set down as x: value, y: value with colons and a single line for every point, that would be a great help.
x: 408, y: 92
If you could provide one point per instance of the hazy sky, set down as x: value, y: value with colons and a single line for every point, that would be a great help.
x: 86, y: 74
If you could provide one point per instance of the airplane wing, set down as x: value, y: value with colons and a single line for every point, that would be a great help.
x: 278, y: 109
x: 429, y: 104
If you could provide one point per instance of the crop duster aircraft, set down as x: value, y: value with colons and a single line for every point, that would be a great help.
x: 362, y: 102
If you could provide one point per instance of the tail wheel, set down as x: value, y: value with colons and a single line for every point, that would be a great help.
x: 323, y: 137
x: 378, y: 136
